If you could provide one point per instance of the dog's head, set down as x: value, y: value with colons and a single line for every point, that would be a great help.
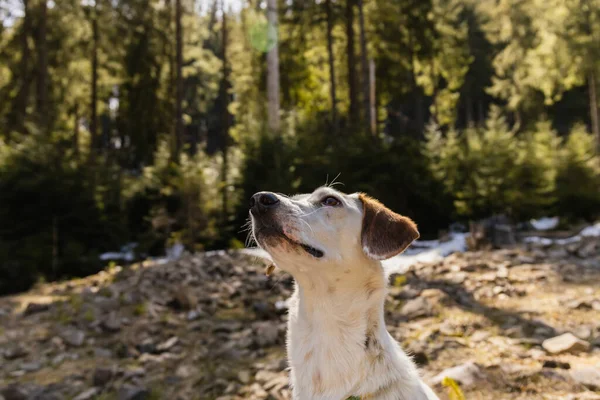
x: 327, y: 226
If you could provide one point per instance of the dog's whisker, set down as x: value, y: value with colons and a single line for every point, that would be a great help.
x: 309, y: 227
x: 333, y: 181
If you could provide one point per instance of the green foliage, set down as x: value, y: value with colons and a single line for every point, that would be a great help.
x: 486, y: 72
x: 50, y: 222
x: 172, y: 201
x: 578, y: 176
x: 490, y: 171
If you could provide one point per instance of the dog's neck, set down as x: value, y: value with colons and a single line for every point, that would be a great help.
x: 342, y: 295
x: 337, y: 335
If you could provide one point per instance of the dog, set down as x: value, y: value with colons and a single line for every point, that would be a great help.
x: 333, y: 244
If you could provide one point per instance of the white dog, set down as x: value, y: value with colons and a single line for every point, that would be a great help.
x: 332, y: 244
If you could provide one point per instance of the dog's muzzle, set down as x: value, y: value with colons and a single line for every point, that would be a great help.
x: 267, y: 228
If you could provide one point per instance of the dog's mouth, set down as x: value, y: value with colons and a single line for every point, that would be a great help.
x: 265, y: 234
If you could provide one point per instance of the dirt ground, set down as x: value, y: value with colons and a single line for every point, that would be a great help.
x: 212, y: 326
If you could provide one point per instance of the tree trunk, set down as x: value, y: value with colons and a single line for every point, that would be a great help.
x: 273, y: 72
x: 179, y: 82
x: 364, y: 64
x: 332, y: 91
x: 42, y: 79
x: 20, y: 112
x: 351, y: 58
x: 434, y: 104
x: 594, y: 108
x: 94, y: 140
x: 225, y: 122
x: 372, y: 98
x: 76, y: 132
x: 468, y: 111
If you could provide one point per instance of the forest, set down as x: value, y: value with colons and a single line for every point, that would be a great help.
x: 154, y: 121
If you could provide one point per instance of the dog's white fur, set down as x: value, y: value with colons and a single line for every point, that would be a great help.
x: 337, y: 342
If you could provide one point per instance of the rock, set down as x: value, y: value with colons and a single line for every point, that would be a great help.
x: 147, y: 346
x: 480, y: 336
x: 15, y: 351
x: 31, y: 366
x: 467, y: 374
x: 185, y: 371
x: 102, y: 376
x: 34, y: 308
x: 587, y: 376
x: 556, y: 364
x: 129, y: 392
x: 583, y: 332
x: 266, y: 333
x: 88, y: 394
x: 183, y: 299
x: 244, y: 377
x: 419, y: 307
x: 587, y: 249
x: 112, y: 323
x: 102, y: 353
x: 167, y: 345
x: 13, y: 392
x: 73, y: 337
x: 565, y: 343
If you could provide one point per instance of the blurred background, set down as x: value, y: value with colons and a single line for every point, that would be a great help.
x: 133, y: 132
x: 152, y: 122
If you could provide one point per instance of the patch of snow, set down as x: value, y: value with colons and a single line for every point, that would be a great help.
x: 402, y: 262
x: 544, y: 224
x: 590, y: 231
x: 538, y: 240
x: 174, y: 252
x: 126, y: 253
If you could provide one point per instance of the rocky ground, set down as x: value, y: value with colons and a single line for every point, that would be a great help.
x: 522, y: 323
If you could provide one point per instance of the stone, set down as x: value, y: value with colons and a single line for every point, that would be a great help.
x: 89, y: 394
x: 102, y: 353
x: 480, y: 336
x: 565, y: 343
x: 185, y: 371
x: 183, y: 299
x: 112, y: 323
x: 419, y: 307
x: 167, y: 345
x: 587, y: 376
x: 13, y: 392
x: 31, y: 366
x: 265, y: 333
x: 73, y: 337
x: 15, y: 351
x: 244, y: 376
x: 34, y: 308
x: 556, y: 364
x: 587, y: 249
x: 467, y: 374
x: 583, y: 332
x: 102, y: 376
x: 129, y: 392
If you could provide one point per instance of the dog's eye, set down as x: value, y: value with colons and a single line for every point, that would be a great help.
x: 330, y: 201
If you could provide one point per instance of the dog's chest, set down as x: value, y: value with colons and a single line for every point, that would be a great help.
x: 327, y: 354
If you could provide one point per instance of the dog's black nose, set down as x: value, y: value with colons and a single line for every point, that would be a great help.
x: 263, y: 201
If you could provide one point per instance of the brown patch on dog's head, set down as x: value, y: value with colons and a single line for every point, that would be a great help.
x: 384, y: 233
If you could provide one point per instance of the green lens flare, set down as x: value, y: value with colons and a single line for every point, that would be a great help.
x: 263, y: 36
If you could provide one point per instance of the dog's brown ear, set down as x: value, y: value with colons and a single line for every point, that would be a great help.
x: 384, y: 233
